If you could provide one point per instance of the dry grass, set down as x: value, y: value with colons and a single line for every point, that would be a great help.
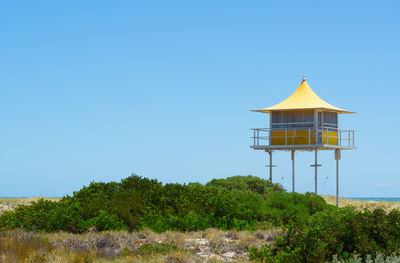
x: 361, y: 204
x: 17, y: 246
x: 211, y: 245
x: 174, y: 238
x: 7, y: 204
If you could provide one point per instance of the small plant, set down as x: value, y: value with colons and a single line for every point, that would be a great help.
x: 151, y: 249
x: 81, y: 257
x: 174, y: 238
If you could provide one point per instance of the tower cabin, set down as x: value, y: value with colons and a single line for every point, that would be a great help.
x: 304, y: 122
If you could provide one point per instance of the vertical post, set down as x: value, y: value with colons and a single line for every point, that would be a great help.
x: 337, y: 158
x: 327, y: 138
x: 316, y: 127
x: 258, y: 137
x: 293, y: 171
x: 270, y: 128
x: 285, y: 136
x: 349, y: 138
x: 293, y: 135
x: 270, y: 165
x: 270, y: 136
x: 316, y: 170
x: 337, y: 182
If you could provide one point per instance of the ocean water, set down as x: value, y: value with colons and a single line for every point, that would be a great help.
x: 387, y: 199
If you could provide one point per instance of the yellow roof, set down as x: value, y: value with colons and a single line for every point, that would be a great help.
x: 303, y: 98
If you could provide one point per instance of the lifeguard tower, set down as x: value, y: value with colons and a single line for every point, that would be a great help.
x: 304, y: 122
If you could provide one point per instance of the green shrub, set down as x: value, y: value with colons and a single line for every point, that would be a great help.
x: 379, y: 258
x: 234, y: 203
x: 246, y: 183
x: 340, y: 232
x: 38, y: 215
x: 104, y: 221
x: 293, y: 208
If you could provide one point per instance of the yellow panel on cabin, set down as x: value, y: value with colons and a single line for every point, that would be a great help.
x: 292, y: 137
x: 331, y: 139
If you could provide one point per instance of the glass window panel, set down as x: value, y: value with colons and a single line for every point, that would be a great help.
x: 285, y: 117
x: 276, y: 117
x: 330, y: 118
x: 292, y: 117
x: 299, y: 117
x: 308, y: 116
x: 319, y: 119
x: 326, y: 116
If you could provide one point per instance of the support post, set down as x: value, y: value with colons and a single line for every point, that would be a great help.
x: 316, y: 165
x: 293, y: 171
x: 270, y: 165
x: 316, y: 171
x: 337, y: 158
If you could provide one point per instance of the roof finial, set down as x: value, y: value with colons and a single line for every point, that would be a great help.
x: 304, y: 78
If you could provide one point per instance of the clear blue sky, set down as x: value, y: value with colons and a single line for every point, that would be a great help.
x: 97, y: 90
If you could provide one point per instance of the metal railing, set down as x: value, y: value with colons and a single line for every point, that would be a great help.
x: 303, y: 136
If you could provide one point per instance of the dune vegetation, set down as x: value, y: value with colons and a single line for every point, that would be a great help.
x: 211, y: 245
x: 8, y: 204
x: 240, y: 218
x: 362, y: 204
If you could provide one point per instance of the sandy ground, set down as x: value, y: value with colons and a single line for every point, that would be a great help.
x: 7, y: 204
x: 361, y: 204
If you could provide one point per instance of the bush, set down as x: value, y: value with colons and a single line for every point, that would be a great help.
x: 340, y: 232
x: 38, y: 215
x: 237, y: 202
x: 246, y: 183
x: 104, y: 221
x: 379, y: 258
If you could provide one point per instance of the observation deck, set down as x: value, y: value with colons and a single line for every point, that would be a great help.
x: 307, y: 139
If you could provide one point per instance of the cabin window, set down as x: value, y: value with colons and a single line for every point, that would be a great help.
x: 292, y: 119
x: 308, y: 119
x: 289, y: 117
x: 320, y: 120
x: 330, y: 120
x: 276, y: 117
